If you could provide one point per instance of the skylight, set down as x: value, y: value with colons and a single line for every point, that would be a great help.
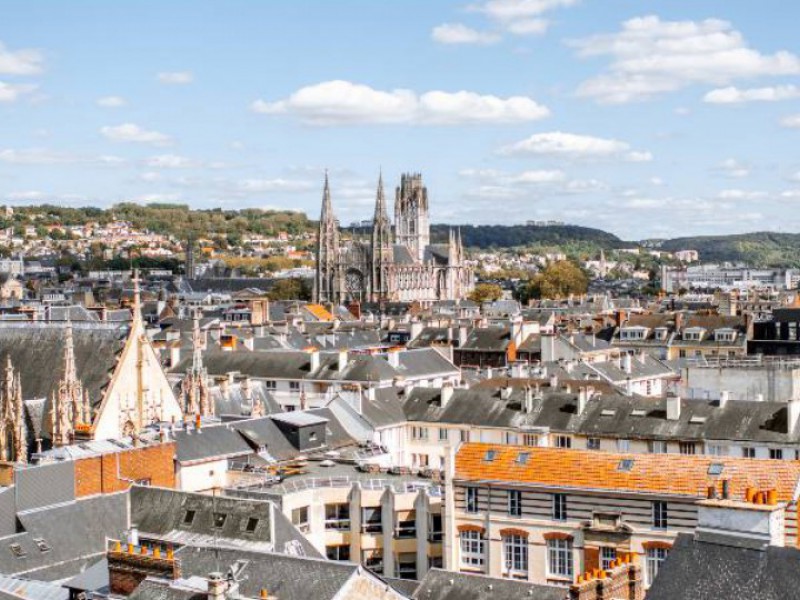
x: 522, y: 458
x: 626, y: 464
x: 489, y: 456
x: 715, y: 468
x: 638, y: 412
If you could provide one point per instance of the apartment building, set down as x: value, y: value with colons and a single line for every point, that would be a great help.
x: 548, y: 515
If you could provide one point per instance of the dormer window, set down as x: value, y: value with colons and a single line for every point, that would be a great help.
x: 693, y: 334
x: 725, y: 335
x: 661, y: 333
x: 633, y: 333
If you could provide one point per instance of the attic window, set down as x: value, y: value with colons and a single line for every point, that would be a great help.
x: 489, y: 456
x: 625, y: 465
x: 219, y: 520
x: 523, y: 457
x: 252, y: 524
x: 715, y: 468
x: 608, y: 412
x: 188, y: 517
x: 42, y: 545
x: 638, y: 412
x: 697, y: 420
x: 17, y: 550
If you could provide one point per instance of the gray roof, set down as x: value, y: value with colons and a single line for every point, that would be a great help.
x: 216, y: 441
x: 488, y: 339
x: 700, y: 570
x: 31, y: 589
x: 449, y: 585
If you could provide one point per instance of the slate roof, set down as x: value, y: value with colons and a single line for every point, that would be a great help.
x: 699, y: 570
x: 663, y: 474
x: 488, y: 339
x: 449, y: 585
x: 213, y: 442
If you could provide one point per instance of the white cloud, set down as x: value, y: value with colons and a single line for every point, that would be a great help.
x: 170, y: 161
x: 734, y: 95
x: 20, y: 62
x: 737, y: 194
x: 529, y: 27
x: 791, y: 194
x: 10, y: 92
x: 157, y: 197
x: 733, y: 168
x: 569, y: 145
x: 650, y: 56
x: 538, y: 176
x: 792, y: 121
x: 26, y: 196
x: 507, y: 10
x: 176, y: 77
x: 130, y: 132
x: 342, y: 102
x: 41, y: 156
x: 111, y: 101
x: 458, y: 33
x: 275, y: 185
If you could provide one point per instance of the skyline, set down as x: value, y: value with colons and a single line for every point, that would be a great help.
x: 670, y: 119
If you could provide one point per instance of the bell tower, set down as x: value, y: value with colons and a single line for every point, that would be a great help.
x: 412, y: 227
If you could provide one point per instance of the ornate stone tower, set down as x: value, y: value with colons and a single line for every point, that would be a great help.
x: 13, y: 431
x: 194, y: 387
x: 70, y: 404
x: 326, y: 280
x: 382, y: 255
x: 412, y: 227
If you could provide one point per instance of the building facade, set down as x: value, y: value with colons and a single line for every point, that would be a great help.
x: 396, y: 263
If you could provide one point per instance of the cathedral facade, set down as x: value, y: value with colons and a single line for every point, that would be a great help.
x: 397, y: 263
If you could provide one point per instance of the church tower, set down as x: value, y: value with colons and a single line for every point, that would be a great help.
x: 327, y: 250
x: 382, y: 255
x: 412, y: 227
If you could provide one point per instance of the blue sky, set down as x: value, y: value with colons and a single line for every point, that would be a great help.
x: 644, y: 118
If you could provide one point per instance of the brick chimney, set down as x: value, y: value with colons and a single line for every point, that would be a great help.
x: 130, y: 564
x: 623, y: 581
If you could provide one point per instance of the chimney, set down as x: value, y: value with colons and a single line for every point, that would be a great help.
x: 371, y: 393
x: 527, y: 405
x: 217, y: 586
x: 554, y: 381
x: 673, y: 407
x: 416, y: 329
x: 393, y: 356
x: 313, y: 357
x: 342, y: 360
x: 792, y: 415
x: 627, y: 363
x: 174, y: 355
x: 548, y: 343
x: 582, y: 400
x: 462, y: 335
x: 505, y: 392
x: 446, y: 395
x: 724, y: 396
x: 753, y: 524
x: 129, y: 565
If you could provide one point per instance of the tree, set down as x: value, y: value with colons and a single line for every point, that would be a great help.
x: 289, y: 289
x: 486, y: 292
x: 558, y: 280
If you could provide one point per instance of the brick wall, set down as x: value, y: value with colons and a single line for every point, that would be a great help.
x: 114, y: 471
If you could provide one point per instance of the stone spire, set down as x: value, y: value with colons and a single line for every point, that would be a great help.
x: 13, y: 431
x: 69, y: 402
x: 194, y: 387
x: 382, y: 250
x: 326, y: 280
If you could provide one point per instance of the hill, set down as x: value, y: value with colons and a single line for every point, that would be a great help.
x: 508, y: 236
x: 762, y: 249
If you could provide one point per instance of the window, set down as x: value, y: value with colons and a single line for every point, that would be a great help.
x: 515, y: 503
x: 490, y: 455
x: 419, y: 433
x: 188, y: 517
x: 252, y: 525
x: 17, y: 550
x: 294, y: 386
x: 472, y: 500
x: 406, y: 524
x: 338, y: 552
x: 464, y: 435
x: 442, y: 434
x: 219, y: 520
x: 607, y: 556
x: 300, y: 518
x: 655, y: 556
x: 373, y: 560
x: 270, y: 385
x: 435, y: 529
x: 748, y: 452
x: 687, y: 448
x: 625, y: 465
x: 337, y: 517
x: 530, y: 439
x: 512, y: 439
x: 560, y: 507
x: 371, y: 521
x: 523, y: 458
x: 563, y: 441
x: 515, y: 556
x: 716, y: 468
x: 559, y: 558
x: 472, y: 548
x: 776, y: 453
x: 407, y: 565
x: 657, y: 447
x: 623, y: 445
x: 716, y: 450
x: 659, y: 515
x: 593, y: 443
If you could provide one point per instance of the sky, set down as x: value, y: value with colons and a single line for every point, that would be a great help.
x: 645, y: 118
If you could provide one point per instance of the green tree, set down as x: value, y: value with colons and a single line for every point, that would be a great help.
x: 290, y: 289
x: 486, y: 292
x: 558, y: 280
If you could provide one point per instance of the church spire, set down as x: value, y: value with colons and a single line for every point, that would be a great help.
x: 382, y: 251
x: 327, y: 250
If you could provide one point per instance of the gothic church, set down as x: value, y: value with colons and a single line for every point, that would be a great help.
x: 396, y: 264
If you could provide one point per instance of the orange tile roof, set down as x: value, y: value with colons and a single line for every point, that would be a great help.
x: 319, y: 311
x: 670, y: 474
